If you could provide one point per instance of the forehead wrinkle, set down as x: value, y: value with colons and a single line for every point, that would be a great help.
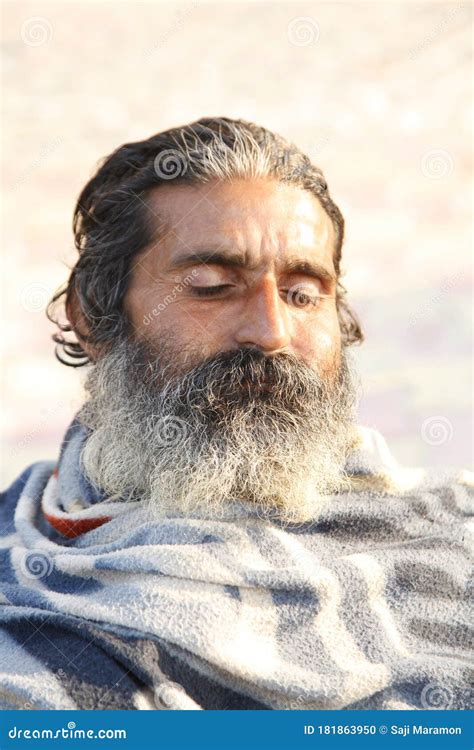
x: 252, y: 248
x: 303, y: 233
x: 251, y: 236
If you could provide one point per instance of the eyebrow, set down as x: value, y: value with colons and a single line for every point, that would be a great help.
x: 292, y: 265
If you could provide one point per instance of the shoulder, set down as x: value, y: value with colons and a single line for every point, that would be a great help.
x: 39, y: 471
x: 373, y: 465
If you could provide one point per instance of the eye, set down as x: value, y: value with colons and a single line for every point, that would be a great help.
x: 209, y: 291
x: 303, y: 295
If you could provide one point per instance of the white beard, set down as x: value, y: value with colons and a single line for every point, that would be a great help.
x: 191, y: 442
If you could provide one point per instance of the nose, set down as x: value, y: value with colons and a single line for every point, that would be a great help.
x: 264, y: 322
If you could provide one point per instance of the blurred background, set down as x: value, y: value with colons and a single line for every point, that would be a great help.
x: 378, y: 95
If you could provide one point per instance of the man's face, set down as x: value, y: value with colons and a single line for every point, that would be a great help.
x: 245, y: 395
x: 241, y: 264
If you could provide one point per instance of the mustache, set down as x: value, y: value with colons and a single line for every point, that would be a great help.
x: 241, y: 376
x: 246, y: 365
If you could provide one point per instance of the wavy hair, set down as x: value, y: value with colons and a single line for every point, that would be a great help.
x: 112, y: 224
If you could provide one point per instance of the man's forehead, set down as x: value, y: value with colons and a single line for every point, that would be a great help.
x: 249, y: 218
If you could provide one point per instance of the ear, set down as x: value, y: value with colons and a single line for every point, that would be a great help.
x: 80, y: 325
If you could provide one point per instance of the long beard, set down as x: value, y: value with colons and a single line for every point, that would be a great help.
x: 239, y: 426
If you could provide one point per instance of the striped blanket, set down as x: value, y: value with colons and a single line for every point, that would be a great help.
x: 364, y: 607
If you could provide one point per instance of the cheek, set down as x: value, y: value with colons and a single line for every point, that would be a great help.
x: 320, y: 343
x: 191, y: 332
x: 325, y: 347
x: 324, y: 342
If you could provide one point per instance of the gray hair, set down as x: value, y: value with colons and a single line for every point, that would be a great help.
x: 112, y: 223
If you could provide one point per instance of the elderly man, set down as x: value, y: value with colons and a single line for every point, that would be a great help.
x: 219, y: 532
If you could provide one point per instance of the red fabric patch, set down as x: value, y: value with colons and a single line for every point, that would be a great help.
x: 72, y: 528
